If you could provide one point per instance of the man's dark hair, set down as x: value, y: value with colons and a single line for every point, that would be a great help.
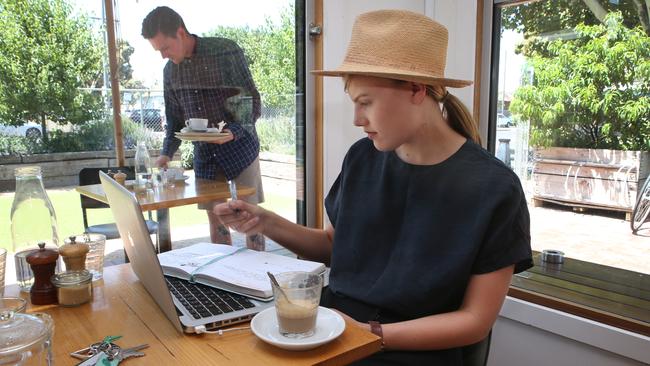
x: 164, y: 20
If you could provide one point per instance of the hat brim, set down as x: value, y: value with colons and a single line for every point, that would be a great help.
x: 390, y: 73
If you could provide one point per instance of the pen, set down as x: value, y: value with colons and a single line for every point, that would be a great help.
x: 233, y: 192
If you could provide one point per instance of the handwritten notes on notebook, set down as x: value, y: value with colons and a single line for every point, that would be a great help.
x: 230, y: 268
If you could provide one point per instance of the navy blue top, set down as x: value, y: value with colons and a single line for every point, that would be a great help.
x: 202, y: 87
x: 408, y: 237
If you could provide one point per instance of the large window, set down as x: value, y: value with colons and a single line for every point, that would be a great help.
x: 56, y: 96
x: 570, y: 114
x: 270, y: 33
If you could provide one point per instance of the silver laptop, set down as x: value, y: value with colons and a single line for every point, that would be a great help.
x: 188, y: 306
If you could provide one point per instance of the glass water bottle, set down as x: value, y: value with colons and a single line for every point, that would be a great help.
x: 33, y: 221
x: 142, y: 168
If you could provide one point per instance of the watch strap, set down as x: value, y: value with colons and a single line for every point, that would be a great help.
x: 375, y: 328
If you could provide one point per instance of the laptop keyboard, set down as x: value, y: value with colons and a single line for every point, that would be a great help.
x: 204, y: 301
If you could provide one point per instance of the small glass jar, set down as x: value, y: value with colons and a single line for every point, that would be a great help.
x: 73, y: 287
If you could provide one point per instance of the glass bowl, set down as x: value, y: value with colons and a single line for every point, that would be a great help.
x: 11, y: 305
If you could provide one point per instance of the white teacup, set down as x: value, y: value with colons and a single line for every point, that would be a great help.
x: 197, y: 124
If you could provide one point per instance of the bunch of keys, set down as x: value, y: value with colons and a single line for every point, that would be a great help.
x: 106, y: 353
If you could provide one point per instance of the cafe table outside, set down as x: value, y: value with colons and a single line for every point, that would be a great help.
x: 122, y: 306
x: 162, y: 198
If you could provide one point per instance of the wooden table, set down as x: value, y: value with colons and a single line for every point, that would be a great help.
x: 122, y: 306
x: 162, y: 198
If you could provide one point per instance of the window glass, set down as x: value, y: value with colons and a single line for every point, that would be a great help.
x: 266, y: 32
x: 570, y: 114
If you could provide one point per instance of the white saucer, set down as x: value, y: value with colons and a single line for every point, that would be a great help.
x: 190, y: 130
x: 329, y: 325
x: 185, y: 177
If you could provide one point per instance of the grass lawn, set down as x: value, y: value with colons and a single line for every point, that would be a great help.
x: 68, y: 213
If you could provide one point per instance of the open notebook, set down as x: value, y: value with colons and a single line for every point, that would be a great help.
x: 238, y: 270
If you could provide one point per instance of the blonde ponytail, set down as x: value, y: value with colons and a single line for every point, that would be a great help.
x: 458, y: 116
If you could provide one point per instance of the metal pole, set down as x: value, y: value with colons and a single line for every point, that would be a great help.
x: 107, y: 103
x: 115, y: 86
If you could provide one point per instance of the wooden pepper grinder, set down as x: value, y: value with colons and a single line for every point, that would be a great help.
x: 120, y: 177
x: 43, y: 263
x: 74, y: 254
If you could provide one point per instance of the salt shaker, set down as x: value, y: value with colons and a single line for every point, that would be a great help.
x: 43, y: 264
x: 74, y: 254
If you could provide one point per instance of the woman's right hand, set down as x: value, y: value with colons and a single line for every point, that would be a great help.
x: 309, y: 243
x: 241, y: 216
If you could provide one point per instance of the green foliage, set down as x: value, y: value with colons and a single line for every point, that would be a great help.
x: 134, y: 132
x: 544, y: 17
x: 125, y: 74
x: 46, y: 54
x: 271, y: 54
x: 98, y: 136
x: 592, y: 91
x: 277, y: 134
x: 15, y: 145
x: 90, y: 136
x: 187, y: 154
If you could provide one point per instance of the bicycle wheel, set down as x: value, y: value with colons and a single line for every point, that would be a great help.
x: 641, y: 208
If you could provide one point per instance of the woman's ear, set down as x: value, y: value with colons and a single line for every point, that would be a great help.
x: 418, y: 92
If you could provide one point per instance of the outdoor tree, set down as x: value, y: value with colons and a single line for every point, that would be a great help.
x: 46, y: 55
x: 592, y: 91
x: 270, y: 51
x: 543, y: 17
x: 125, y: 74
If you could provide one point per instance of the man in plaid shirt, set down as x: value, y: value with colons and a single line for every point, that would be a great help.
x: 209, y: 78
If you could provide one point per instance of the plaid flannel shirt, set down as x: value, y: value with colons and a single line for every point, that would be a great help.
x: 202, y: 87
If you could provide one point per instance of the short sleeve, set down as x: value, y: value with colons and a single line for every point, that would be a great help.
x: 333, y: 200
x: 507, y: 237
x: 335, y: 194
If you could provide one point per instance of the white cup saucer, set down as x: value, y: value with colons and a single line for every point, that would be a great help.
x: 189, y: 130
x: 329, y: 325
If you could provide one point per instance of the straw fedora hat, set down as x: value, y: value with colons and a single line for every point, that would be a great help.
x: 397, y: 44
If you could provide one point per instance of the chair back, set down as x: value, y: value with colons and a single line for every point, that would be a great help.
x: 91, y: 176
x: 477, y: 354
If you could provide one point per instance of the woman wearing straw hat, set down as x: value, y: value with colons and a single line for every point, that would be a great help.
x: 427, y: 227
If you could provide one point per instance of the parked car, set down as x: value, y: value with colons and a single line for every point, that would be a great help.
x: 504, y: 121
x: 152, y: 118
x: 29, y: 129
